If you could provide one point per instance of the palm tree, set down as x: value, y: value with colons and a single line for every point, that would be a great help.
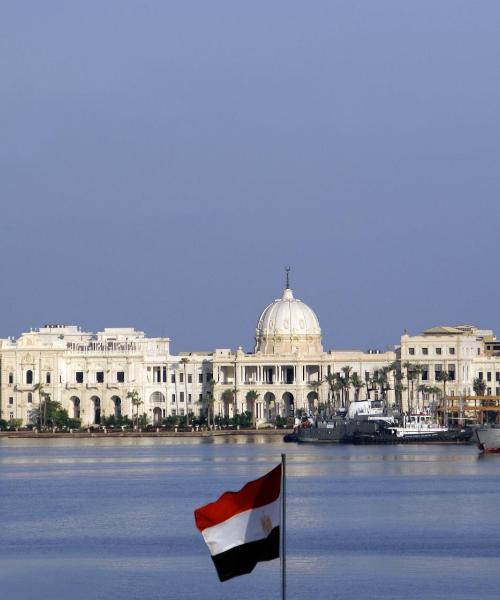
x: 209, y: 401
x: 331, y: 380
x: 184, y: 361
x: 316, y: 386
x: 358, y: 384
x: 399, y: 388
x: 251, y: 398
x: 383, y: 380
x: 136, y: 401
x: 228, y: 398
x: 394, y: 368
x: 346, y: 381
x: 444, y: 377
x: 209, y: 398
x: 42, y: 403
x: 417, y: 372
x: 409, y: 378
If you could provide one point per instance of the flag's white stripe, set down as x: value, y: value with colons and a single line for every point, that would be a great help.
x: 248, y: 526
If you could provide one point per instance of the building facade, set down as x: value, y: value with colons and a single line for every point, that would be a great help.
x: 91, y: 375
x: 94, y: 375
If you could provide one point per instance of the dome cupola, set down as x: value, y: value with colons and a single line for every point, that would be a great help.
x: 288, y: 326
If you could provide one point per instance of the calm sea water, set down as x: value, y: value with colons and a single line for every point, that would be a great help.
x: 105, y: 519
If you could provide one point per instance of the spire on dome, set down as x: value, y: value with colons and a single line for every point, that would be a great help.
x: 287, y: 271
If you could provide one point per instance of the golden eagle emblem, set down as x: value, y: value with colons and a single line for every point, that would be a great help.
x: 266, y: 523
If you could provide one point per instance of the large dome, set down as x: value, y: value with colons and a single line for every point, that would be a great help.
x: 286, y: 326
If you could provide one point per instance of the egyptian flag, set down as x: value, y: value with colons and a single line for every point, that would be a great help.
x: 243, y: 528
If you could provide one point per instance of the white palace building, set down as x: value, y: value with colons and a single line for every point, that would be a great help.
x: 90, y: 374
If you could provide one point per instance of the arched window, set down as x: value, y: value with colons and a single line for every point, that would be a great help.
x: 29, y: 377
x: 157, y: 397
x: 11, y: 377
x: 30, y: 397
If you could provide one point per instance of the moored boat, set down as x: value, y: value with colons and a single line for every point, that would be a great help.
x: 488, y: 438
x: 368, y: 429
x: 419, y: 426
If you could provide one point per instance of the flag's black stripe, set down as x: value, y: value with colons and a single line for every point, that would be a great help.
x: 242, y: 559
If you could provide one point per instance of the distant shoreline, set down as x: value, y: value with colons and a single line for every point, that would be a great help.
x: 145, y: 434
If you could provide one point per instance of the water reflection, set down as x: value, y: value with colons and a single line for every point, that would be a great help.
x: 113, y: 518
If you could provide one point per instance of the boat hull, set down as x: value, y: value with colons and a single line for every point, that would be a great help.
x: 488, y: 439
x: 373, y: 432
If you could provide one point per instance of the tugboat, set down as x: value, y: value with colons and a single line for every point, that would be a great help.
x: 369, y: 422
x: 488, y: 438
x: 364, y: 419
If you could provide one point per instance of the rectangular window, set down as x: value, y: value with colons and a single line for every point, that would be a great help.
x: 200, y: 397
x: 47, y: 378
x: 209, y: 377
x: 451, y: 372
x: 190, y: 378
x: 438, y: 350
x: 182, y: 412
x: 173, y: 412
x: 172, y: 378
x: 164, y: 375
x: 452, y: 350
x: 425, y: 375
x: 156, y: 374
x: 181, y: 377
x: 200, y: 377
x: 173, y: 397
x: 425, y: 351
x: 488, y: 391
x: 11, y: 401
x: 367, y: 376
x: 189, y: 397
x: 411, y: 351
x: 437, y: 371
x: 99, y: 376
x: 480, y: 375
x: 488, y: 376
x: 497, y: 391
x: 181, y: 397
x: 120, y: 376
x: 79, y: 377
x: 497, y: 376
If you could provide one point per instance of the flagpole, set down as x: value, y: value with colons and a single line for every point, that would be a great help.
x: 282, y: 528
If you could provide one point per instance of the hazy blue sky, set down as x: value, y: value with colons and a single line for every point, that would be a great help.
x: 160, y: 162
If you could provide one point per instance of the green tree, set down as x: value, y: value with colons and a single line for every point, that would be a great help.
x: 316, y: 386
x: 479, y: 386
x: 251, y: 398
x: 383, y: 381
x: 334, y: 387
x: 357, y: 384
x: 346, y: 384
x: 410, y: 379
x: 136, y: 401
x: 55, y: 415
x: 228, y: 398
x: 417, y: 372
x: 443, y: 377
x: 42, y: 397
x: 184, y: 362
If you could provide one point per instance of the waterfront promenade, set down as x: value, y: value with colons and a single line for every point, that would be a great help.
x: 267, y: 433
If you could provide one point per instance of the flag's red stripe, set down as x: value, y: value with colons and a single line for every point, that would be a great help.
x: 252, y: 495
